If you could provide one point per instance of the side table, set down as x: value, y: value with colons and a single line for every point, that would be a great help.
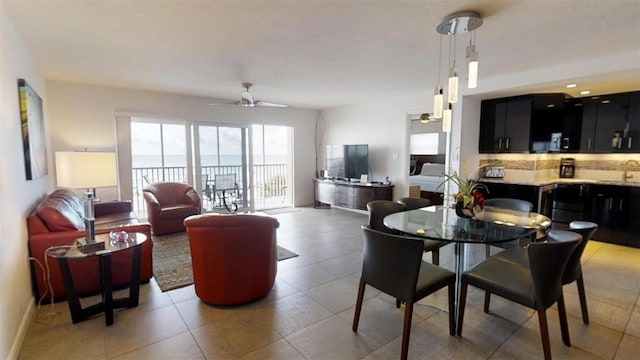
x: 102, y: 247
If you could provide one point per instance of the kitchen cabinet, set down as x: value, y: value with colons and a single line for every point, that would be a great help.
x: 615, y: 210
x: 505, y: 125
x: 611, y: 122
x: 633, y: 119
x: 589, y: 118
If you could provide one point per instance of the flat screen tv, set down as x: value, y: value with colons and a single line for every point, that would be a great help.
x: 347, y: 161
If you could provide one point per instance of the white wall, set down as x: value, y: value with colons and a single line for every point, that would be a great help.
x: 83, y: 116
x: 17, y: 195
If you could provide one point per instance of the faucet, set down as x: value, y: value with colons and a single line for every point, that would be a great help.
x: 626, y: 176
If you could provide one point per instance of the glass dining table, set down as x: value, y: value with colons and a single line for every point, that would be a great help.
x: 488, y: 226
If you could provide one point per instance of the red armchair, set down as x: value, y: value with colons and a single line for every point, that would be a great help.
x: 168, y: 204
x: 233, y: 256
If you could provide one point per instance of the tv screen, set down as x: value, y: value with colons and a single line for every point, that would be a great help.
x: 347, y: 161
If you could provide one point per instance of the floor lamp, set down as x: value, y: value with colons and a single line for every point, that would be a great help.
x: 86, y: 170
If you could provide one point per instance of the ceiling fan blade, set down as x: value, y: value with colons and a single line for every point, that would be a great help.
x: 268, y: 104
x: 224, y: 103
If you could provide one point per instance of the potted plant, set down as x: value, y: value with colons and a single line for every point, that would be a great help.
x: 468, y: 196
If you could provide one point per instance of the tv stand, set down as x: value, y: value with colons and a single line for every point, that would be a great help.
x: 349, y: 194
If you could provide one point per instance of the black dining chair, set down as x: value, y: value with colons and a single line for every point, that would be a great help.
x: 432, y: 246
x: 509, y: 204
x: 378, y: 209
x: 393, y: 264
x: 537, y: 286
x: 573, y: 271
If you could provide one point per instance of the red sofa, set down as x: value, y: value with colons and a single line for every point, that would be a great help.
x: 58, y: 220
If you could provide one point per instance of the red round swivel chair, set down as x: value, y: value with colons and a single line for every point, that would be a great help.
x: 233, y: 256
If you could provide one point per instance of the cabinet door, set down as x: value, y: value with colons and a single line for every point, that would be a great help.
x: 518, y: 125
x: 589, y: 117
x: 632, y: 142
x: 612, y: 119
x: 487, y: 140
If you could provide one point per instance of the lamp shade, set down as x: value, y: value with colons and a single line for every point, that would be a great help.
x: 85, y: 170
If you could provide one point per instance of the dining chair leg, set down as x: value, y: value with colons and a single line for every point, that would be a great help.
x: 487, y: 300
x: 564, y: 326
x: 487, y: 251
x: 452, y: 308
x: 435, y: 257
x: 356, y: 316
x: 406, y: 331
x: 583, y: 300
x: 544, y: 334
x: 461, y: 305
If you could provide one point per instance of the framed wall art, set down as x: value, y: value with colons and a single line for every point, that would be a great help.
x: 33, y: 141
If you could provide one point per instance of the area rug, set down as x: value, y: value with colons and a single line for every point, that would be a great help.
x: 172, y: 260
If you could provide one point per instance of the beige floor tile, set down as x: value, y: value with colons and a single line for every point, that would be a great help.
x: 287, y: 314
x: 633, y: 327
x: 196, y: 313
x: 182, y: 294
x: 280, y: 349
x: 132, y: 330
x: 487, y: 331
x: 336, y: 295
x: 233, y: 337
x: 629, y: 348
x: 602, y: 313
x: 332, y: 339
x: 306, y: 277
x: 343, y: 265
x: 181, y: 346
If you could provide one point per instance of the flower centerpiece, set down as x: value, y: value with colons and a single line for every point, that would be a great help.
x: 468, y: 196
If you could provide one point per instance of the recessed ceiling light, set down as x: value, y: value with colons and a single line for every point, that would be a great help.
x: 571, y: 86
x: 585, y: 92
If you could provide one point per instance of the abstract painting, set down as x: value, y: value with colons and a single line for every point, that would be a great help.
x: 33, y: 142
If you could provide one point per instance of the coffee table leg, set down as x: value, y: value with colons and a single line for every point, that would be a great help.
x: 107, y: 293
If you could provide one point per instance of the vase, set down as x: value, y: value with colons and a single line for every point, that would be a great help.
x: 462, y: 211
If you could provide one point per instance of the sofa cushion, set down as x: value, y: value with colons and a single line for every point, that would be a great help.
x: 60, y: 212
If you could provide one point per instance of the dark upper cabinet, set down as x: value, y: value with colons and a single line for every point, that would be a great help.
x: 505, y: 125
x: 611, y: 122
x: 632, y: 142
x: 589, y: 117
x: 555, y: 123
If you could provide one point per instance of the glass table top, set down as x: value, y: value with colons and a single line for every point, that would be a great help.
x: 103, y: 244
x: 490, y: 225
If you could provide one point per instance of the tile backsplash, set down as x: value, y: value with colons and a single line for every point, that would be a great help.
x: 543, y: 167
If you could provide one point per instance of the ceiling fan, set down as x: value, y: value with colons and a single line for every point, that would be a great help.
x: 247, y: 99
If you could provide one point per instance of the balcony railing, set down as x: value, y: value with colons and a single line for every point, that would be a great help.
x: 269, y: 181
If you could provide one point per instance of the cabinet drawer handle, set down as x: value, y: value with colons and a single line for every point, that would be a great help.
x: 629, y: 144
x: 589, y: 144
x: 507, y: 143
x: 500, y: 144
x: 620, y: 206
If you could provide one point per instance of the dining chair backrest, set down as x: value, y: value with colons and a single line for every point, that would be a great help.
x: 378, y: 209
x: 412, y: 203
x: 391, y: 263
x: 510, y: 204
x: 586, y: 230
x: 547, y: 262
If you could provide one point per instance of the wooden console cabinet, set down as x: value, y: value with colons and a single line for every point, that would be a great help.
x: 348, y: 194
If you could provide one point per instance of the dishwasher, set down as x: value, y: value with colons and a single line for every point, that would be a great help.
x: 568, y: 204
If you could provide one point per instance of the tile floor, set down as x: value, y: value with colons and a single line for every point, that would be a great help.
x: 308, y: 314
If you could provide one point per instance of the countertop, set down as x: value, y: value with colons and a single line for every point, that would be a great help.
x: 563, y: 181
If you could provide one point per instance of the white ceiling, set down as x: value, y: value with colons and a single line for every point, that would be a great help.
x: 313, y: 54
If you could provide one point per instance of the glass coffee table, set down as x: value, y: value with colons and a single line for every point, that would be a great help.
x: 102, y: 247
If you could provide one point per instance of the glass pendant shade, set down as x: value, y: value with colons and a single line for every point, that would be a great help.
x: 446, y: 120
x: 472, y: 58
x: 438, y: 103
x: 452, y: 91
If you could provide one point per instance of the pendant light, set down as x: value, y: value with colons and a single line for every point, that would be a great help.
x: 472, y: 60
x: 438, y: 98
x: 457, y: 23
x: 446, y: 119
x: 452, y: 90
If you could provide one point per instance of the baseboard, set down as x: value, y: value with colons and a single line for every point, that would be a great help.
x: 22, y: 330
